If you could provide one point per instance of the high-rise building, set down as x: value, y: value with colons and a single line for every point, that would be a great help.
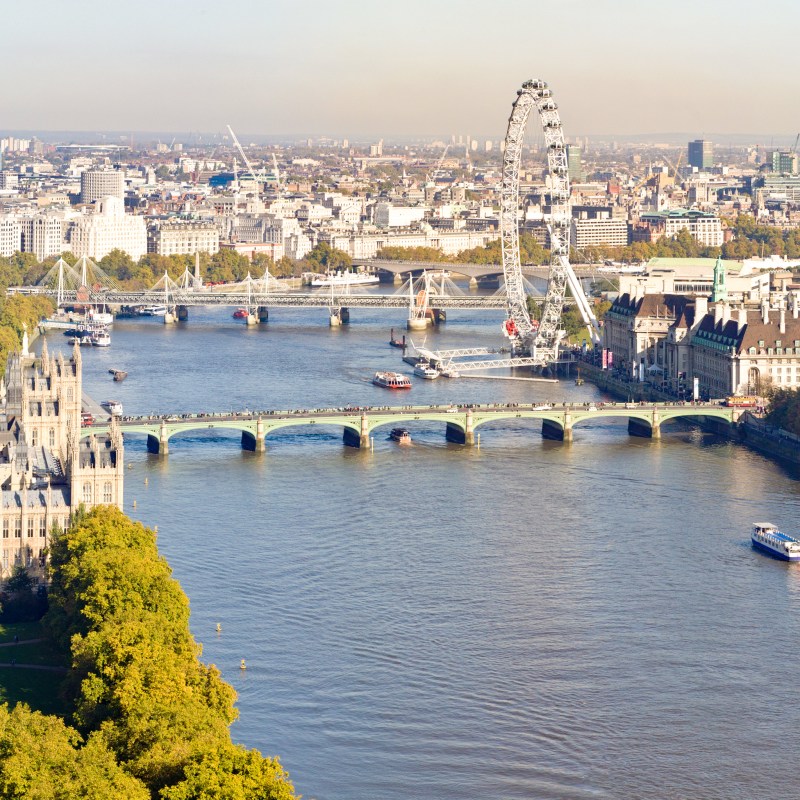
x: 99, y: 183
x: 574, y: 163
x: 108, y: 228
x: 784, y: 162
x: 701, y: 154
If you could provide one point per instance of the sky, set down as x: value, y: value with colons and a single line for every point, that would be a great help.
x: 403, y: 68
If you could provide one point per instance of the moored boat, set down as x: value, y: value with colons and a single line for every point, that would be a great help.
x: 391, y: 380
x: 767, y: 538
x: 400, y: 435
x: 241, y: 313
x: 153, y: 311
x: 101, y: 339
x: 396, y: 342
x: 425, y: 370
x: 345, y: 279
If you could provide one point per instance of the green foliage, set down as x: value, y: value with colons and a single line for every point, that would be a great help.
x: 41, y: 759
x: 232, y: 773
x: 783, y: 410
x: 412, y: 254
x: 324, y: 258
x: 136, y: 682
x: 20, y: 581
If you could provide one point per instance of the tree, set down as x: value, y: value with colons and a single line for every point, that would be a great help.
x: 41, y: 759
x: 232, y: 773
x: 324, y: 258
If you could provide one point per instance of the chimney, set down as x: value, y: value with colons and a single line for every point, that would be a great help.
x: 783, y: 320
x: 700, y: 308
x: 726, y: 313
x: 742, y: 314
x: 795, y: 306
x: 717, y: 314
x: 765, y: 311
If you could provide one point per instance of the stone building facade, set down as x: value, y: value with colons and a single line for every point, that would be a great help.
x: 47, y: 467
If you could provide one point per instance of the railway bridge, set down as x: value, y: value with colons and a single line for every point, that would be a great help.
x: 460, y: 422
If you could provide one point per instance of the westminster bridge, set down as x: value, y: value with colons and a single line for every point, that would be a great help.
x: 460, y: 421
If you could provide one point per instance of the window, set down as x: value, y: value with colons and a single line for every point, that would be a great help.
x: 52, y: 437
x: 107, y: 492
x: 69, y: 393
x: 31, y: 522
x: 87, y: 492
x: 43, y: 526
x: 5, y: 528
x: 5, y: 560
x: 34, y: 438
x: 17, y: 528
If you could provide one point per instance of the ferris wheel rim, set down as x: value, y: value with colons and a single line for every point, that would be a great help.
x: 535, y: 94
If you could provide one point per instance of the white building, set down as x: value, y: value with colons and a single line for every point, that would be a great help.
x: 389, y: 216
x: 10, y: 236
x: 99, y: 183
x: 600, y: 231
x: 109, y: 228
x: 180, y: 237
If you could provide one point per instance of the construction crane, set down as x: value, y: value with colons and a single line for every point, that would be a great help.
x: 244, y: 156
x: 796, y: 141
x: 440, y: 162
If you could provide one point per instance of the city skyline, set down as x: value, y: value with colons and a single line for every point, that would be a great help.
x: 356, y: 70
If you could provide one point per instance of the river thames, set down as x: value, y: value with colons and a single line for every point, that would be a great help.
x: 521, y: 620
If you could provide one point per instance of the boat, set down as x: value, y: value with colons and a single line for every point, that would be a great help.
x: 114, y: 407
x: 119, y: 374
x: 400, y: 435
x: 396, y: 342
x: 345, y: 279
x: 450, y: 372
x: 153, y: 311
x: 101, y: 339
x: 766, y: 537
x: 391, y: 380
x: 241, y: 313
x: 100, y: 317
x: 425, y: 370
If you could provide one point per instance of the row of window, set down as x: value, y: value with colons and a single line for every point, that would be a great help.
x: 51, y: 438
x: 108, y: 492
x: 32, y: 525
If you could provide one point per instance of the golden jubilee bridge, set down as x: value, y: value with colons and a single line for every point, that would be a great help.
x: 459, y: 423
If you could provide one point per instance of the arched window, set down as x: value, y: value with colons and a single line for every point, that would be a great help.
x: 52, y: 437
x: 87, y: 492
x: 107, y: 492
x: 69, y: 393
x: 754, y: 381
x: 34, y: 438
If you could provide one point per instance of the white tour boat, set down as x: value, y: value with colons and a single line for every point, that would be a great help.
x: 101, y: 339
x: 769, y: 539
x: 153, y: 311
x: 114, y: 407
x: 345, y: 279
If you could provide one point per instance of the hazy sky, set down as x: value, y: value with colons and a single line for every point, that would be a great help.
x: 398, y: 67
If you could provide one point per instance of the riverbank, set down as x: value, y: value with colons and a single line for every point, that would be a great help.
x: 750, y: 431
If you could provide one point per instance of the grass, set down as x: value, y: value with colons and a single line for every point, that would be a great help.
x: 37, y: 688
x: 24, y: 630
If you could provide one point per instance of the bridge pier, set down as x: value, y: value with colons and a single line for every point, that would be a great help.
x: 417, y: 323
x: 458, y: 435
x: 438, y: 316
x: 170, y: 316
x: 158, y: 445
x: 263, y: 314
x: 252, y: 319
x: 339, y: 316
x: 555, y: 431
x: 183, y: 313
x: 643, y: 429
x: 253, y: 444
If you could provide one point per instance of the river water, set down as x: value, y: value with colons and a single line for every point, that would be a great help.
x: 521, y: 620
